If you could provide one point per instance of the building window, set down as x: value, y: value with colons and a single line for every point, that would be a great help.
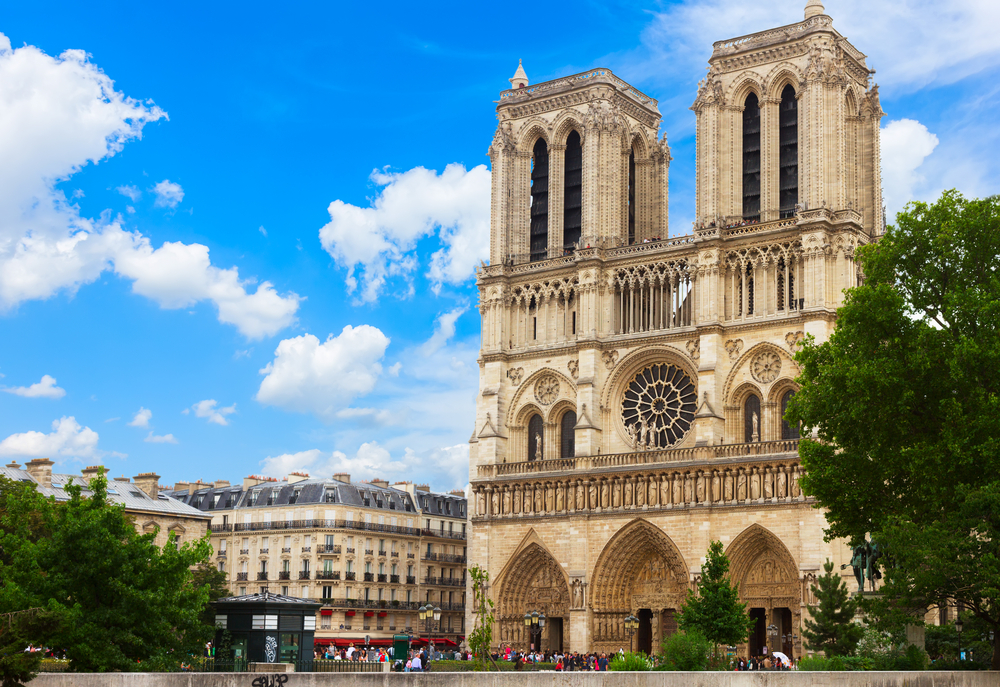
x: 572, y: 192
x: 751, y: 158
x: 539, y: 201
x: 788, y: 176
x: 535, y: 432
x: 788, y: 431
x: 328, y: 592
x: 284, y: 591
x: 567, y: 439
x: 751, y: 419
x: 324, y: 622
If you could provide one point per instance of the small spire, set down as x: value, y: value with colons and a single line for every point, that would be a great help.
x: 814, y: 8
x: 520, y: 79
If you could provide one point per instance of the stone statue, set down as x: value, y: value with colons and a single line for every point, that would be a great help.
x: 538, y: 446
x: 506, y: 501
x: 628, y: 494
x: 782, y: 483
x: 700, y: 487
x: 640, y: 494
x: 617, y: 495
x: 580, y: 502
x: 605, y: 500
x: 716, y: 486
x: 678, y: 490
x: 753, y: 420
x: 688, y: 488
x: 559, y: 498
x: 642, y: 435
x: 539, y: 505
x: 496, y: 503
x: 481, y: 503
x: 754, y: 484
x: 593, y: 495
x: 664, y: 491
x: 768, y: 484
x: 741, y: 487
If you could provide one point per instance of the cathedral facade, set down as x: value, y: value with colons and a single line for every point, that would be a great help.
x: 633, y: 383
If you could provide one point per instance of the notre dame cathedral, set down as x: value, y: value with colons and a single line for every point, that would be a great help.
x: 633, y: 383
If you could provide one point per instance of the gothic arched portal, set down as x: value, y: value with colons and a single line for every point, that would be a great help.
x: 533, y: 581
x: 640, y: 571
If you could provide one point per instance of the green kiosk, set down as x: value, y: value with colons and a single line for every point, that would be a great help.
x: 265, y: 628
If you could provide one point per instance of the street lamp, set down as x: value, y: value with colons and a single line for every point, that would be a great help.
x: 429, y: 614
x: 958, y: 626
x: 772, y: 633
x: 535, y: 623
x: 631, y: 625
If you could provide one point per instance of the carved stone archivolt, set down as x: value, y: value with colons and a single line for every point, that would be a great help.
x: 531, y: 580
x: 547, y: 390
x: 765, y: 367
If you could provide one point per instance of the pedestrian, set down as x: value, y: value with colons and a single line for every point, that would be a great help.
x: 416, y: 665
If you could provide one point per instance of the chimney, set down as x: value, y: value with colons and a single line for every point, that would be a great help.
x: 40, y: 470
x: 182, y: 487
x: 342, y: 477
x: 90, y: 472
x: 294, y: 477
x: 13, y: 464
x: 458, y: 492
x: 149, y: 482
x: 220, y: 483
x: 252, y: 481
x: 422, y: 487
x: 380, y: 483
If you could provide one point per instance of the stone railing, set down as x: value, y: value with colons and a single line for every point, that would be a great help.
x: 573, y: 81
x: 770, y: 37
x: 654, y: 457
x: 757, y: 482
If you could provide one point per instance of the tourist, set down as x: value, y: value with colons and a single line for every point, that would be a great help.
x: 416, y: 665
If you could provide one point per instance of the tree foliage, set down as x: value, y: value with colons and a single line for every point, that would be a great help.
x: 114, y: 600
x: 685, y: 651
x: 904, y: 399
x: 832, y: 629
x: 716, y: 611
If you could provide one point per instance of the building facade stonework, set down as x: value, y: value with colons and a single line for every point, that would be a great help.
x: 632, y: 385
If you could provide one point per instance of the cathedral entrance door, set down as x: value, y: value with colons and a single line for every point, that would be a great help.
x: 758, y: 633
x: 784, y: 623
x: 644, y: 637
x: 555, y: 638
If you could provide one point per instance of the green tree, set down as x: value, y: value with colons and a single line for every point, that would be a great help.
x: 832, y: 629
x: 685, y: 651
x: 206, y: 575
x: 904, y: 399
x: 118, y: 601
x: 716, y: 611
x: 481, y: 638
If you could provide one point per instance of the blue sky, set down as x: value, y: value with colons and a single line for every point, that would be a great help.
x: 240, y: 238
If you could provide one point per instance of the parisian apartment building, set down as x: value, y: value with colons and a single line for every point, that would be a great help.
x: 371, y: 553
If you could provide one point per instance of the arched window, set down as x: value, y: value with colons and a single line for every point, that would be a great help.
x: 536, y: 430
x: 788, y: 156
x: 751, y: 419
x: 573, y: 192
x: 787, y: 431
x: 567, y: 440
x: 540, y: 201
x: 631, y: 196
x: 786, y: 285
x: 751, y: 158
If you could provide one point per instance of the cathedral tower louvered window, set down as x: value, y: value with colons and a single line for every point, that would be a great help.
x: 751, y: 158
x: 788, y: 125
x: 536, y: 431
x: 573, y: 192
x: 540, y: 201
x: 567, y: 439
x: 631, y: 197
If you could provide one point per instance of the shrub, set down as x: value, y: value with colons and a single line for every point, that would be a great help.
x: 685, y: 651
x: 815, y: 663
x: 630, y: 661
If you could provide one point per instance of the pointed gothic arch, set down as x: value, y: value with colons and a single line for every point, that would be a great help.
x: 640, y: 572
x: 532, y: 580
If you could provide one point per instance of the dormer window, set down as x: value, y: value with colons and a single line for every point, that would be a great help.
x: 295, y: 496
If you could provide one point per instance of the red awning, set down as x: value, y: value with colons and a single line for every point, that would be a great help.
x: 326, y: 611
x: 382, y: 614
x: 359, y: 642
x: 349, y: 613
x: 369, y: 614
x: 436, y: 641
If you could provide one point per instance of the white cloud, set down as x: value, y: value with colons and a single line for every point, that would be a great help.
x: 208, y: 409
x: 321, y: 378
x: 906, y: 143
x: 444, y: 330
x: 379, y: 241
x: 168, y: 194
x: 44, y: 389
x: 445, y: 468
x: 141, y: 418
x: 57, y: 114
x: 130, y: 191
x: 67, y: 439
x: 164, y: 439
x: 955, y: 38
x: 262, y: 230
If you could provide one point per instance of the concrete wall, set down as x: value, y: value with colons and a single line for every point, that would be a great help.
x: 544, y: 679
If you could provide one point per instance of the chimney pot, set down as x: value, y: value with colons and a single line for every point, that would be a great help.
x: 40, y: 470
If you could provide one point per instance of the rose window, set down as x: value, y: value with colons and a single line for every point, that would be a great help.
x: 766, y: 367
x: 547, y: 390
x: 658, y: 407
